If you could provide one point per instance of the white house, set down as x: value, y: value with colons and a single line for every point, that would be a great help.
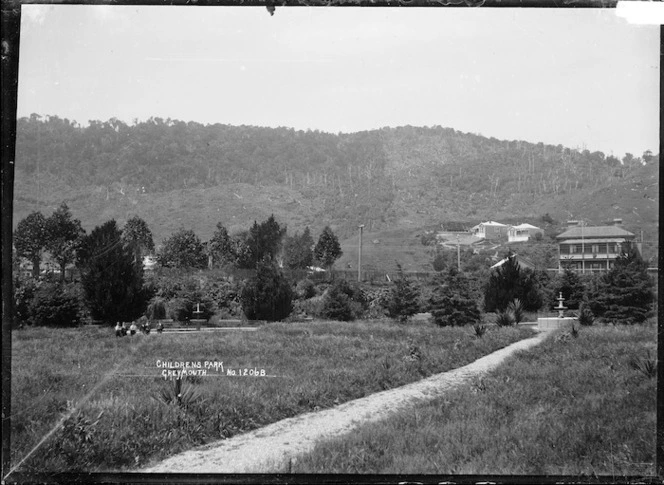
x: 490, y: 230
x: 523, y: 232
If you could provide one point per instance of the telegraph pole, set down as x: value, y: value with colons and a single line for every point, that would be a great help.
x: 359, y: 255
x: 458, y: 255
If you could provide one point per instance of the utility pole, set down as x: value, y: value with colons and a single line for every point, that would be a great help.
x: 359, y: 255
x: 458, y: 255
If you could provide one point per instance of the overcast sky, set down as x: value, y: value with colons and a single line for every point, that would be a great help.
x: 577, y: 77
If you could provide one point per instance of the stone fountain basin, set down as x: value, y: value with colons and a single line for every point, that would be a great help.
x: 553, y: 323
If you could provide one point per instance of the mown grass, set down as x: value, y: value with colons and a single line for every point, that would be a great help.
x: 109, y: 388
x: 570, y: 406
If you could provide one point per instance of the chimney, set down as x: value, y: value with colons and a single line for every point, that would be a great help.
x: 617, y: 222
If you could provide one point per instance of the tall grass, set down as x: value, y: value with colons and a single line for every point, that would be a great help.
x: 570, y: 406
x: 135, y: 417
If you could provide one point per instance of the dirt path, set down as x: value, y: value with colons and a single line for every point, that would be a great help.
x: 269, y: 449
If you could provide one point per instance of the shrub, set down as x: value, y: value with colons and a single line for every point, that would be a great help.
x: 56, y: 305
x: 180, y: 392
x: 586, y: 317
x: 156, y: 309
x: 305, y: 289
x: 268, y: 295
x: 645, y: 365
x: 337, y: 305
x: 480, y: 330
x: 515, y: 308
x: 504, y: 319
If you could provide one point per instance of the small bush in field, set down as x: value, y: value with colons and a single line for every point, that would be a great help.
x: 480, y: 330
x: 180, y: 392
x: 515, y: 308
x: 504, y: 319
x: 645, y: 365
x: 586, y: 317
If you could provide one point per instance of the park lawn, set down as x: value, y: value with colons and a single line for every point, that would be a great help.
x: 569, y: 406
x: 107, y: 391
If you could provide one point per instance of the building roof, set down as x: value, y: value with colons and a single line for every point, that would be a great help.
x: 594, y: 231
x: 492, y: 223
x: 520, y: 260
x: 591, y: 241
x: 526, y: 226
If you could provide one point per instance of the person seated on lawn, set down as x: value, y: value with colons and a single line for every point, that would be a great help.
x: 118, y: 330
x: 125, y: 329
x: 133, y: 328
x: 160, y: 327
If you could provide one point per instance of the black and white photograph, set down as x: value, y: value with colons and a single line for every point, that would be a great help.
x: 312, y: 241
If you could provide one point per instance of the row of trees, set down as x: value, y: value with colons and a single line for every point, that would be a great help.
x: 113, y: 285
x: 267, y: 240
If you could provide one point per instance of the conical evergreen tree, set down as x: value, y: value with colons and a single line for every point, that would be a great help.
x: 452, y: 301
x: 111, y: 278
x: 625, y: 293
x: 268, y: 295
x: 403, y: 298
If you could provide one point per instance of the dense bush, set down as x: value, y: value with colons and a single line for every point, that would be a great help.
x: 337, y: 305
x: 56, y: 305
x: 344, y: 301
x: 452, y: 301
x: 268, y: 295
x: 586, y: 316
x: 305, y: 289
x: 156, y: 309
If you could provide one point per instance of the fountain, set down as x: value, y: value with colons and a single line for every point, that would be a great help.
x: 561, y: 321
x: 198, y: 321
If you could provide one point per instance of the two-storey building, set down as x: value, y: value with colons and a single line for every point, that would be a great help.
x: 591, y: 248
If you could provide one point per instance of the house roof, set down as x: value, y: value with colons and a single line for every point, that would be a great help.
x: 520, y: 260
x: 591, y: 241
x: 492, y: 223
x: 594, y: 231
x: 526, y: 226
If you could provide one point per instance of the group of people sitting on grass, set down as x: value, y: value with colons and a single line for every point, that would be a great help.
x: 125, y: 329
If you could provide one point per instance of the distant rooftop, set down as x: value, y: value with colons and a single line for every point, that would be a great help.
x: 594, y: 231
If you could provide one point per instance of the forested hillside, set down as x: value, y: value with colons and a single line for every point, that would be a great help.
x: 175, y: 173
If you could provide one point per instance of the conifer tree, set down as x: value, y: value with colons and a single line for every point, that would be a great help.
x: 404, y: 297
x: 30, y: 239
x: 111, y: 278
x: 572, y: 288
x: 268, y: 295
x: 625, y: 293
x: 327, y: 249
x: 452, y: 301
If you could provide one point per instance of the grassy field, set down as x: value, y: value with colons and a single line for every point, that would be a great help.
x: 571, y: 406
x: 118, y: 412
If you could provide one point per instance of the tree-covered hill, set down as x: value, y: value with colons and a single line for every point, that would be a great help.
x: 186, y: 174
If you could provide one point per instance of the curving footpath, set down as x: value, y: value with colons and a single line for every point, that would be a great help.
x: 271, y: 448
